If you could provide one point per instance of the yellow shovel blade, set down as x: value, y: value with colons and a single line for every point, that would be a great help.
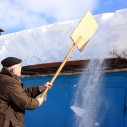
x: 86, y: 28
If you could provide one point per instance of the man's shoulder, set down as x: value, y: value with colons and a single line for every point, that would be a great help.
x: 7, y: 78
x: 3, y: 76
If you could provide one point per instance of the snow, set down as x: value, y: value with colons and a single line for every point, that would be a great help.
x: 88, y: 98
x: 51, y: 43
x: 97, y: 124
x: 79, y: 111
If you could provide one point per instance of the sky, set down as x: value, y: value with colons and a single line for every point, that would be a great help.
x: 19, y: 15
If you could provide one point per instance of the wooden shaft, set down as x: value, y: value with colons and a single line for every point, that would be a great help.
x: 43, y: 95
x: 61, y: 66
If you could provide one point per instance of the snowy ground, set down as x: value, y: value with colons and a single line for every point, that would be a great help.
x: 51, y: 43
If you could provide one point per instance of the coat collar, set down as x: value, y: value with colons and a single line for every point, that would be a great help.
x: 5, y: 71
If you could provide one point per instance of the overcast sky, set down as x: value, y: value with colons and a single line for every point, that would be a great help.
x: 18, y: 15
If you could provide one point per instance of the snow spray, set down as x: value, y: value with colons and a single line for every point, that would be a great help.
x: 87, y: 98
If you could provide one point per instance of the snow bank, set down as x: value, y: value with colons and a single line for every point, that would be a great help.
x: 51, y: 43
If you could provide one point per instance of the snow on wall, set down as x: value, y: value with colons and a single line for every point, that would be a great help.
x: 51, y: 43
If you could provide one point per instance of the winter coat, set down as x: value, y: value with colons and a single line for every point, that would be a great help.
x: 14, y: 99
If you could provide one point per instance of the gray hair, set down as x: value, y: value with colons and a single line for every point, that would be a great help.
x: 12, y: 67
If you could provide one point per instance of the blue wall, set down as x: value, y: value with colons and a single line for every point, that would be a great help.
x: 56, y: 112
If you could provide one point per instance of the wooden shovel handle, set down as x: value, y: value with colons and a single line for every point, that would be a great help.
x: 61, y: 66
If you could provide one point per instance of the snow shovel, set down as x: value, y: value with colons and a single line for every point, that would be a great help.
x: 80, y: 36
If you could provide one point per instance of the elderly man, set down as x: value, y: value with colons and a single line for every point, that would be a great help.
x: 14, y: 98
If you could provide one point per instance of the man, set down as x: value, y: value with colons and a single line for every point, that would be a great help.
x: 14, y: 98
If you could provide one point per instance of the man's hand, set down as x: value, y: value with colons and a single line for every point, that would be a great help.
x: 48, y: 84
x: 43, y: 87
x: 40, y: 100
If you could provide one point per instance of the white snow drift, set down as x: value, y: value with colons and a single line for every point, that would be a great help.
x: 51, y: 43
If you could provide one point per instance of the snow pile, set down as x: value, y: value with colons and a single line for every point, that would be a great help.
x: 51, y: 43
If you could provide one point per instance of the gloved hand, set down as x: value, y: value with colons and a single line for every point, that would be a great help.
x: 43, y: 87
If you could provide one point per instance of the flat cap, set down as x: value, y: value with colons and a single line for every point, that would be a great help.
x: 10, y: 61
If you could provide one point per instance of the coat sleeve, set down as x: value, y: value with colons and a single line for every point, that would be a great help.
x: 19, y: 97
x: 32, y: 91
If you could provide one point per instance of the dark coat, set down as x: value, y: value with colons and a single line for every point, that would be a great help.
x: 14, y: 99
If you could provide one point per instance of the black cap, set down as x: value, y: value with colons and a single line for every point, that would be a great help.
x: 10, y: 61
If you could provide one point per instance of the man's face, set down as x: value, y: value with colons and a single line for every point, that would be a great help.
x: 17, y: 70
